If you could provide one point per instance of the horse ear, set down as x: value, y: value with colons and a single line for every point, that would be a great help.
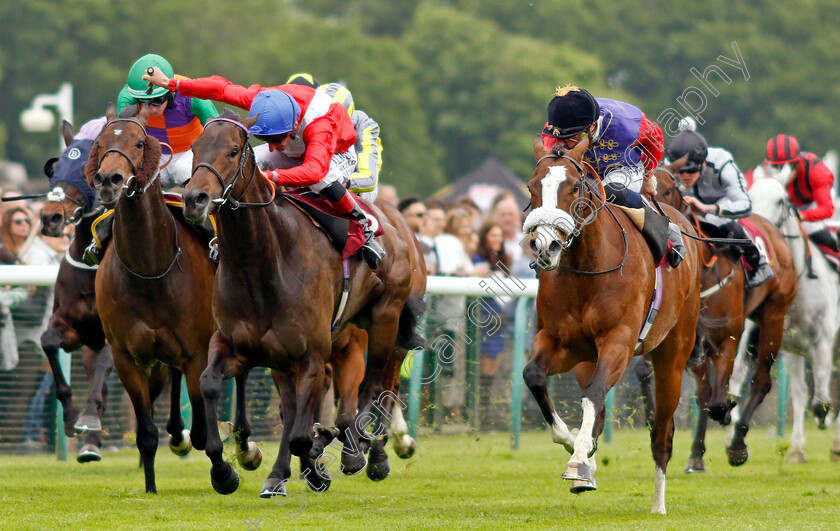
x: 580, y: 149
x: 539, y: 148
x: 677, y: 164
x: 67, y: 132
x: 250, y: 121
x: 143, y: 115
x: 111, y: 112
x: 49, y: 166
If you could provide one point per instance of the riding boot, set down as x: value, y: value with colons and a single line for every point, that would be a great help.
x: 826, y: 238
x: 758, y: 270
x: 104, y: 230
x: 677, y: 252
x: 372, y: 251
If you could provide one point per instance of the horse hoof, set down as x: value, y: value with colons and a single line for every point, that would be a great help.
x: 89, y: 453
x: 578, y: 472
x: 579, y: 486
x: 404, y: 446
x: 182, y: 448
x: 353, y: 463
x: 273, y: 487
x: 797, y: 457
x: 820, y: 411
x: 379, y: 470
x: 695, y: 465
x: 87, y: 423
x: 738, y: 457
x: 251, y: 458
x: 227, y: 484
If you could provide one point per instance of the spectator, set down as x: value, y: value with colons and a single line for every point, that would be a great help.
x: 431, y: 227
x: 388, y: 195
x: 9, y: 298
x: 459, y: 223
x: 413, y: 211
x: 508, y: 215
x: 472, y: 209
x: 490, y: 257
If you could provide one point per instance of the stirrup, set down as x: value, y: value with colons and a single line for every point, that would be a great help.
x: 214, y: 250
x: 675, y: 255
x: 760, y: 275
x: 373, y: 253
x: 92, y: 255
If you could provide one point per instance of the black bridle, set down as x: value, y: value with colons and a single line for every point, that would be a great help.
x: 130, y: 189
x: 246, y: 154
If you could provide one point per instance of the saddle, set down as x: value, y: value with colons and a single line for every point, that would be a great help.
x: 654, y: 228
x: 346, y: 235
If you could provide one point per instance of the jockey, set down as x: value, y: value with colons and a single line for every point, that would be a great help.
x: 174, y: 120
x: 714, y: 188
x: 625, y: 148
x: 309, y: 135
x: 809, y: 187
x: 365, y: 180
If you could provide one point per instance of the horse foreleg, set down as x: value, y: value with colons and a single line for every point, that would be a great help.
x: 547, y: 359
x: 91, y: 420
x: 378, y: 467
x: 702, y: 374
x: 136, y: 383
x: 720, y: 403
x: 275, y: 483
x: 309, y: 394
x: 348, y: 373
x: 198, y: 429
x: 795, y: 366
x: 50, y: 343
x: 404, y: 445
x: 821, y: 366
x: 644, y: 373
x: 222, y: 363
x: 250, y: 455
x: 769, y: 341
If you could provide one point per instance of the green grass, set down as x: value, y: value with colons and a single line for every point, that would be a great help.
x: 451, y: 482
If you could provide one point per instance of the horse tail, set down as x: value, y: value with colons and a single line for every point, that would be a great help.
x: 407, y: 336
x: 703, y: 344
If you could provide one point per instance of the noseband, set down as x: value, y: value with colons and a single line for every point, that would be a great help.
x: 58, y: 195
x: 246, y: 153
x: 129, y: 188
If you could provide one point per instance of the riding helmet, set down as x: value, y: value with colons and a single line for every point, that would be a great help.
x: 302, y: 78
x: 137, y: 86
x: 277, y: 112
x: 570, y: 112
x: 692, y: 144
x: 782, y: 149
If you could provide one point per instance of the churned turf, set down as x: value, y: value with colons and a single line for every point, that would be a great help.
x: 452, y: 482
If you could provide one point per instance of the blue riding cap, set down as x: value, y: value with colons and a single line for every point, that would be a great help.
x: 71, y: 166
x: 277, y: 112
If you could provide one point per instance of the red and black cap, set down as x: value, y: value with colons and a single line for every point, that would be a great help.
x: 571, y: 111
x: 782, y: 149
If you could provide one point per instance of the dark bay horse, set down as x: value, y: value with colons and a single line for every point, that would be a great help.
x: 726, y: 299
x: 154, y: 284
x: 278, y: 291
x: 75, y: 322
x: 595, y: 287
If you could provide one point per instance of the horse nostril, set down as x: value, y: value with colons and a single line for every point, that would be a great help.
x: 55, y: 218
x: 97, y: 180
x: 117, y: 179
x: 554, y: 247
x: 533, y: 244
x: 201, y: 199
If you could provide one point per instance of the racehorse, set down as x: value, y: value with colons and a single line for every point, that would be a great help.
x: 153, y: 287
x: 75, y: 322
x: 596, y: 282
x: 813, y: 318
x: 278, y: 303
x: 724, y: 299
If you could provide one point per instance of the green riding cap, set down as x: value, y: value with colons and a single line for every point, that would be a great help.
x: 137, y: 86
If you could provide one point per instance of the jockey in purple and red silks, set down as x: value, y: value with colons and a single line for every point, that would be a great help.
x: 624, y: 149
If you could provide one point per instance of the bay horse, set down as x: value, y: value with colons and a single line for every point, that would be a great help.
x: 596, y: 282
x: 813, y: 318
x: 75, y: 322
x: 727, y: 300
x: 154, y: 286
x: 278, y: 291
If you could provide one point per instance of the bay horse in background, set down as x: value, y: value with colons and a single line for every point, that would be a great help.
x: 278, y: 290
x: 154, y: 285
x: 75, y: 321
x: 727, y: 300
x: 813, y: 318
x: 596, y: 282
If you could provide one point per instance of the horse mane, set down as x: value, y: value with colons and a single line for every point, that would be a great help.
x: 230, y: 115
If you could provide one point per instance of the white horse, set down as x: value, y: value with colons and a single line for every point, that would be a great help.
x: 814, y: 318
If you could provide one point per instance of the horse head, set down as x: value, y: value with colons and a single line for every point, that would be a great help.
x: 669, y: 187
x: 123, y: 158
x: 69, y: 196
x: 220, y: 155
x: 561, y: 202
x: 770, y: 199
x: 781, y: 173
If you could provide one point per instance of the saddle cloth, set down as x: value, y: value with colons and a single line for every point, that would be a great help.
x: 830, y: 254
x: 347, y: 235
x: 758, y: 237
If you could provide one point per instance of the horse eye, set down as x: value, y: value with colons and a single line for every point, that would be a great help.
x: 140, y: 143
x: 234, y: 152
x: 576, y: 189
